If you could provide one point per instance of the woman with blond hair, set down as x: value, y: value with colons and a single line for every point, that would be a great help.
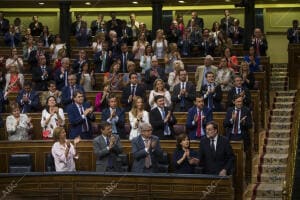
x: 160, y: 44
x: 247, y: 75
x: 14, y: 80
x: 63, y: 151
x: 159, y: 89
x: 137, y: 115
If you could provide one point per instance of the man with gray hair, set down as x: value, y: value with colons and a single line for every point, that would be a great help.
x: 61, y: 74
x: 68, y: 91
x: 202, y: 70
x: 146, y: 150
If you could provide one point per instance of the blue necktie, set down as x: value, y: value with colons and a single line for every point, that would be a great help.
x: 166, y: 127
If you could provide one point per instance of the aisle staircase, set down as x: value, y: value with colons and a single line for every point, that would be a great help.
x: 270, y: 169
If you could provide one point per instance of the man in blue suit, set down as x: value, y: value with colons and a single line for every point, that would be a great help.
x: 68, y: 91
x: 238, y: 122
x: 115, y: 116
x: 80, y: 117
x: 197, y: 118
x: 28, y: 99
x: 146, y: 151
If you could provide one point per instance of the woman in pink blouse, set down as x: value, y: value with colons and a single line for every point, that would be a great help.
x: 63, y: 151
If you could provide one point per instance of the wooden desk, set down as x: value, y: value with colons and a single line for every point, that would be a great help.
x: 38, y: 149
x: 128, y: 186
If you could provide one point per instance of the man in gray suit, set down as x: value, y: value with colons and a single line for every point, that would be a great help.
x: 146, y: 151
x: 107, y: 147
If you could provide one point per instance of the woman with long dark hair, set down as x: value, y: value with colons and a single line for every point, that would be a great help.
x: 184, y: 158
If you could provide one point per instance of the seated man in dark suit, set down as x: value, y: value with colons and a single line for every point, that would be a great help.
x: 107, y: 147
x: 212, y: 93
x: 162, y: 119
x: 184, y: 94
x: 238, y: 121
x: 198, y: 117
x: 131, y: 91
x: 80, y: 117
x: 146, y: 151
x: 28, y: 99
x: 68, y: 91
x: 115, y: 116
x: 215, y: 153
x: 238, y: 89
x: 41, y: 74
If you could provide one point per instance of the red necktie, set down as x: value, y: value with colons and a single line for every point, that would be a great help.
x: 199, y: 125
x: 236, y: 122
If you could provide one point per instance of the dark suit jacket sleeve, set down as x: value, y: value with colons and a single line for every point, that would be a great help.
x: 125, y: 95
x: 218, y: 94
x: 209, y: 116
x: 117, y: 148
x: 90, y: 116
x: 121, y: 120
x: 65, y: 99
x: 99, y: 150
x: 19, y: 97
x: 157, y: 151
x: 105, y: 115
x: 34, y: 101
x: 138, y: 153
x: 191, y: 92
x: 190, y: 119
x: 155, y: 119
x: 37, y: 75
x: 247, y: 99
x: 248, y: 123
x: 175, y: 94
x: 74, y: 117
x: 227, y: 123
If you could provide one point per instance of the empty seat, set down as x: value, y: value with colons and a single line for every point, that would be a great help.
x: 163, y: 164
x: 49, y: 163
x: 20, y: 163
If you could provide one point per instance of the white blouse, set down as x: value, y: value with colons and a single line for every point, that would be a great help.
x: 166, y: 94
x: 53, y: 122
x: 135, y: 130
x: 11, y: 61
x: 20, y: 132
x: 62, y: 162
